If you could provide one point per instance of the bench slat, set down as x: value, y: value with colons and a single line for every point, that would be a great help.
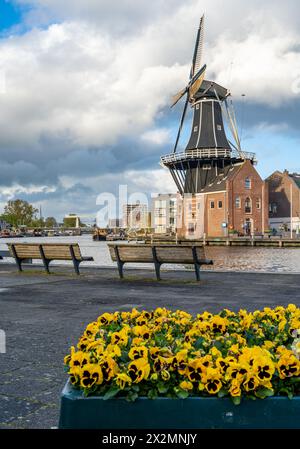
x: 165, y: 254
x: 51, y: 251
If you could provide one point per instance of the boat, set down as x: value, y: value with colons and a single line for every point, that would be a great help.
x: 99, y: 234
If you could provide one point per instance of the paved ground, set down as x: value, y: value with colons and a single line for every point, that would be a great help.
x: 43, y: 315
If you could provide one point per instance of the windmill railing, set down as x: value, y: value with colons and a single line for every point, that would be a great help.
x: 210, y: 153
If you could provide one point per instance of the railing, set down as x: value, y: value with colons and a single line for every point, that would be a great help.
x: 206, y: 154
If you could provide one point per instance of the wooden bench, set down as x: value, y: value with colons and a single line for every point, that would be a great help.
x: 158, y: 255
x: 47, y: 252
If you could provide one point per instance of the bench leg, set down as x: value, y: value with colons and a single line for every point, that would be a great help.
x: 17, y: 259
x: 75, y: 261
x: 120, y: 268
x: 157, y: 270
x: 76, y: 264
x: 19, y: 264
x: 197, y: 271
x: 46, y: 262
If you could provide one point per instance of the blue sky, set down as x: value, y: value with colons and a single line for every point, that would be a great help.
x: 10, y: 15
x: 85, y: 91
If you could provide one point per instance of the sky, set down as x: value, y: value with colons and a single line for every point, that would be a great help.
x: 85, y: 91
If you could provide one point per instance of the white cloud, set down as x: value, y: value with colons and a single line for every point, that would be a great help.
x: 157, y: 136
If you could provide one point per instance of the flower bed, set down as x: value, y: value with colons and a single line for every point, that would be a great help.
x: 164, y: 354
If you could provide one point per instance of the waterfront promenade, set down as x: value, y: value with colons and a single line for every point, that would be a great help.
x: 43, y: 315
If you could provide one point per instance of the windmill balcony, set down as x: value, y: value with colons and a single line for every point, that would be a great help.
x: 211, y: 153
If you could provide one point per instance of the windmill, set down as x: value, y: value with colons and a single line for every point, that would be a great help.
x: 209, y: 153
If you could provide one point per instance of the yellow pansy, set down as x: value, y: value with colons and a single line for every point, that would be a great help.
x: 122, y: 380
x: 138, y: 370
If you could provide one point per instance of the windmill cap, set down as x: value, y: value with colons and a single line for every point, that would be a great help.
x: 212, y: 88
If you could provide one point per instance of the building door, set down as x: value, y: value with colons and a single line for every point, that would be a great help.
x: 248, y: 226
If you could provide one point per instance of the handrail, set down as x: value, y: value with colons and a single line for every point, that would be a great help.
x: 206, y: 153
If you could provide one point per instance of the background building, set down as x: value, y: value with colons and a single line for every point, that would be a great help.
x: 115, y: 223
x: 72, y: 221
x: 284, y: 200
x: 135, y: 216
x: 164, y: 213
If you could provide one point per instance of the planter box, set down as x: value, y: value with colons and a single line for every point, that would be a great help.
x: 78, y: 412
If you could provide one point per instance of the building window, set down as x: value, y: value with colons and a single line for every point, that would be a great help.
x: 195, y: 129
x: 220, y: 204
x: 273, y: 208
x: 219, y: 127
x: 258, y: 203
x: 247, y: 183
x: 212, y: 204
x: 248, y: 206
x: 191, y: 228
x: 238, y: 202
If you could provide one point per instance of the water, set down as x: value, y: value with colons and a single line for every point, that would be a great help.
x: 257, y: 259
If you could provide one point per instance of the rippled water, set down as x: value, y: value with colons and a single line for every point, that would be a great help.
x: 225, y: 258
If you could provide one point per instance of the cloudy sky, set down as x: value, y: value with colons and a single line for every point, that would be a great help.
x: 85, y: 89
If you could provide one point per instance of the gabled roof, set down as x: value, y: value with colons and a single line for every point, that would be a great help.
x: 293, y: 176
x: 296, y: 178
x: 219, y: 182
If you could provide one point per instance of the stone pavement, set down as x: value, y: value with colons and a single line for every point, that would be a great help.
x: 44, y: 315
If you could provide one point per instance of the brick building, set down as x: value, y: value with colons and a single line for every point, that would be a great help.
x: 235, y: 202
x: 284, y: 200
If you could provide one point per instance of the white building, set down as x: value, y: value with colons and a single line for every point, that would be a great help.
x: 135, y: 216
x: 164, y: 213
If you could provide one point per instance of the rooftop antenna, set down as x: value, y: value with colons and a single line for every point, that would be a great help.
x: 242, y: 116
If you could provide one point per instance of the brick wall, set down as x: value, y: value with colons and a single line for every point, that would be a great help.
x: 253, y: 193
x: 280, y: 194
x: 215, y: 215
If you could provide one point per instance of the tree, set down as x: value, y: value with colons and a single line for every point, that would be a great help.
x: 50, y: 222
x: 19, y: 212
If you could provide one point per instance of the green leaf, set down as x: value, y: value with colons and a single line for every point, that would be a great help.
x: 132, y: 396
x: 294, y: 380
x: 222, y: 393
x: 111, y: 393
x: 162, y: 388
x: 264, y: 393
x: 152, y: 394
x: 199, y: 342
x: 181, y: 394
x: 236, y: 400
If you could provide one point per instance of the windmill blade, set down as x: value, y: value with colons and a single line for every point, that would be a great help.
x: 197, y: 57
x: 197, y: 82
x: 232, y: 126
x: 181, y: 123
x: 178, y: 96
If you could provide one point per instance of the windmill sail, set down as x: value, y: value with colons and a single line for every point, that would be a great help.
x: 196, y: 85
x: 197, y: 57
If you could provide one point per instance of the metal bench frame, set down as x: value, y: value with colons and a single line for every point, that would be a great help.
x: 157, y: 263
x: 46, y: 261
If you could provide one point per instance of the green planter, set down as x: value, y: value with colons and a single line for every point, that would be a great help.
x: 78, y: 412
